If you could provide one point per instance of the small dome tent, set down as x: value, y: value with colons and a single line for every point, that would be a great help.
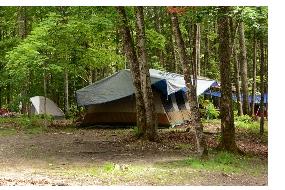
x: 37, y: 107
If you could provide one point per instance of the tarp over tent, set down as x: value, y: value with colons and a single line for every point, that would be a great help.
x: 120, y: 85
x: 51, y: 108
x: 256, y: 101
x: 111, y: 101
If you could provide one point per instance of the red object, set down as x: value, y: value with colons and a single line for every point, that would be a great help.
x: 3, y: 111
x: 178, y: 10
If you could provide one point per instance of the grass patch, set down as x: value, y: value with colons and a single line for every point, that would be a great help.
x: 183, y: 146
x: 221, y: 162
x: 180, y: 172
x: 7, y: 131
x: 28, y: 125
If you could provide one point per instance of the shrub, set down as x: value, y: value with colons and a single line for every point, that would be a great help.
x: 208, y: 110
x: 244, y: 119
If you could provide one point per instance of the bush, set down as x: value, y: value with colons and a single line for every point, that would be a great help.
x: 244, y: 119
x: 208, y: 110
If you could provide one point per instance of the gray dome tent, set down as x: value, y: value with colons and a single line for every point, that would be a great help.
x: 37, y: 107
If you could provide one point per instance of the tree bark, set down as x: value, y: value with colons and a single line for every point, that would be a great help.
x: 198, y: 47
x: 194, y: 57
x: 176, y: 59
x: 253, y: 91
x: 236, y: 66
x: 191, y: 93
x: 135, y: 71
x: 22, y: 32
x: 243, y: 65
x: 226, y: 111
x: 151, y: 133
x: 207, y: 50
x: 157, y: 17
x: 261, y: 131
x: 66, y: 93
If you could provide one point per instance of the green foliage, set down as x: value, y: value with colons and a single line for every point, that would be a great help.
x: 244, y: 119
x: 208, y: 111
x: 108, y: 167
x: 155, y: 40
x: 136, y: 131
x: 29, y: 125
x: 222, y: 161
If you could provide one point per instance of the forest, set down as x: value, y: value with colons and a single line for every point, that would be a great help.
x: 54, y: 52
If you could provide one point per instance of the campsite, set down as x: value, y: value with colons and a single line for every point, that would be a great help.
x: 141, y: 96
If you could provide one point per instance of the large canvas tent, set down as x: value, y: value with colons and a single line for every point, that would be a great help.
x: 37, y: 107
x: 111, y: 100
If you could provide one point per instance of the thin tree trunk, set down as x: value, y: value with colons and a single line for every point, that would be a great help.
x: 226, y: 111
x: 198, y: 47
x: 243, y: 69
x: 1, y: 67
x: 151, y: 133
x: 253, y: 91
x: 194, y: 57
x: 135, y: 70
x: 157, y: 17
x: 177, y: 61
x: 191, y: 93
x: 22, y: 32
x: 261, y: 87
x: 237, y: 84
x: 236, y: 66
x: 207, y: 50
x: 45, y: 98
x: 9, y: 91
x: 66, y: 93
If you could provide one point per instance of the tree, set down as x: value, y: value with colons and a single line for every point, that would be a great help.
x: 150, y: 132
x: 191, y: 92
x: 261, y: 131
x: 135, y: 70
x: 226, y: 110
x: 23, y: 32
x: 253, y: 91
x: 236, y: 66
x: 243, y: 69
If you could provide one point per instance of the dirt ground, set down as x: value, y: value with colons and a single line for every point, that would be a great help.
x: 40, y: 159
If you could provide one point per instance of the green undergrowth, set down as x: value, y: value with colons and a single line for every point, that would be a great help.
x: 221, y: 162
x: 170, y: 172
x: 245, y: 123
x: 28, y: 125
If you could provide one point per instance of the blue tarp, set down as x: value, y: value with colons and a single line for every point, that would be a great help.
x: 257, y: 97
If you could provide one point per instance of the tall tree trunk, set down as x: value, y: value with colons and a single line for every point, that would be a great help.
x: 0, y: 84
x: 45, y: 97
x: 253, y: 91
x: 207, y: 50
x: 66, y: 93
x: 9, y: 91
x: 194, y: 57
x: 22, y: 22
x: 243, y: 65
x: 198, y: 47
x: 145, y: 76
x: 22, y: 32
x: 236, y: 65
x: 261, y: 87
x: 237, y: 84
x: 135, y: 70
x: 177, y: 61
x: 157, y: 17
x: 227, y: 117
x: 191, y: 93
